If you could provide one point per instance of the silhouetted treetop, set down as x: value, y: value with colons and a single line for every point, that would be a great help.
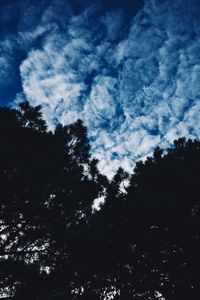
x: 31, y: 117
x: 144, y: 242
x: 47, y: 193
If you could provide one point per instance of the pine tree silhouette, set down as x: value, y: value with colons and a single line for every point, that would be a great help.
x: 144, y: 242
x: 47, y: 193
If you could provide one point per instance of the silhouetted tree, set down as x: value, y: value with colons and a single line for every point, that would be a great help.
x: 47, y: 192
x: 143, y: 243
x: 157, y: 242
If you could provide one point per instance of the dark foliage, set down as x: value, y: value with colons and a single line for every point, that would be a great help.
x: 154, y: 237
x: 144, y: 243
x: 48, y: 183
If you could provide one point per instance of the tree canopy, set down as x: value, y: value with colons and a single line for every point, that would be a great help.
x: 144, y: 242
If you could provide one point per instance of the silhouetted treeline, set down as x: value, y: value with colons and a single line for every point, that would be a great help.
x: 144, y: 242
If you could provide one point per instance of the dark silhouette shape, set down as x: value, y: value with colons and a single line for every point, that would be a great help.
x: 47, y: 191
x: 144, y: 243
x: 155, y: 235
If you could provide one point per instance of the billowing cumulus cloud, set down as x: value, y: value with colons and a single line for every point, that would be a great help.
x: 135, y: 82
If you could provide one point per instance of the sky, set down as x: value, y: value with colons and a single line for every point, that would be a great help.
x: 129, y: 69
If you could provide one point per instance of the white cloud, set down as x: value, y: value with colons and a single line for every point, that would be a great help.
x: 133, y: 94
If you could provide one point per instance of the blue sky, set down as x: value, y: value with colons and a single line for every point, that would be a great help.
x: 129, y: 69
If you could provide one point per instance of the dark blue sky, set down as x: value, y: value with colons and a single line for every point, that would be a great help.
x: 21, y: 16
x: 129, y: 69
